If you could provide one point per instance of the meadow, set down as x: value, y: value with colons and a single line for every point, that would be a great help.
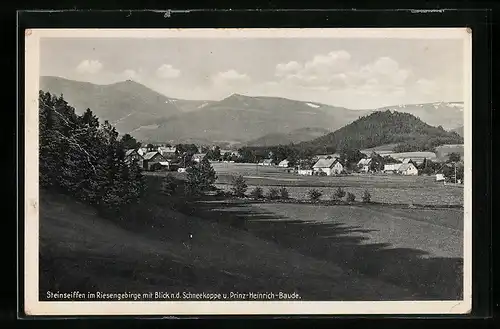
x: 384, y: 188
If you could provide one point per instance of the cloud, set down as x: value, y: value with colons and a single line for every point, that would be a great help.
x: 230, y: 77
x: 337, y: 71
x: 89, y: 67
x: 284, y: 69
x: 167, y: 71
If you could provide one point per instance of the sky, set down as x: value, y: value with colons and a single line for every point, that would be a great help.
x: 350, y: 72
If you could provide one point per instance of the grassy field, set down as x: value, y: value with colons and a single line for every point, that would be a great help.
x: 384, y: 188
x: 365, y: 252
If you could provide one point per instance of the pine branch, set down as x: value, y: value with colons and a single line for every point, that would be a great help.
x: 74, y: 143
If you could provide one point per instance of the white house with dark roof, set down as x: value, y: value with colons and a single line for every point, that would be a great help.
x: 266, y: 162
x: 329, y: 166
x: 167, y: 152
x: 408, y: 169
x: 197, y: 157
x: 364, y: 164
x: 284, y: 164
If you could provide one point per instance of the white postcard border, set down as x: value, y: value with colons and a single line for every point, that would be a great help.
x: 165, y: 308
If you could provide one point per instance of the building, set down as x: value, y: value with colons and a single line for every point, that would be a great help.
x: 142, y: 151
x: 329, y: 166
x: 364, y: 164
x: 408, y: 169
x: 152, y: 161
x: 197, y: 157
x: 305, y: 172
x: 266, y: 162
x: 284, y: 164
x: 392, y: 168
x: 167, y: 152
x: 133, y: 155
x: 440, y: 178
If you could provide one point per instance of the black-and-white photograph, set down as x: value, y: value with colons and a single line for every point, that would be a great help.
x: 224, y: 166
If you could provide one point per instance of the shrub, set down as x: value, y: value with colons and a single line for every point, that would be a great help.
x: 239, y: 186
x: 314, y: 194
x: 200, y: 178
x: 351, y: 197
x: 339, y: 193
x: 273, y: 193
x: 168, y: 185
x: 366, y: 196
x: 284, y: 193
x: 257, y: 193
x: 322, y: 173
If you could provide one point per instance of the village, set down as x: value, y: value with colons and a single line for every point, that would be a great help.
x: 447, y: 167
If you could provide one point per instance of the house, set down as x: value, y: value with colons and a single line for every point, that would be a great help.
x: 412, y: 160
x: 152, y: 160
x: 408, y: 169
x: 440, y: 178
x: 329, y: 166
x: 364, y: 164
x: 197, y: 157
x: 284, y: 164
x: 164, y: 165
x: 392, y: 168
x: 167, y: 152
x: 133, y: 155
x: 305, y: 172
x: 266, y: 162
x: 142, y: 151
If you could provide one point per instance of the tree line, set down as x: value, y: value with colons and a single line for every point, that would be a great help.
x: 83, y: 158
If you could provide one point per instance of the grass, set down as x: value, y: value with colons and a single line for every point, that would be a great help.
x: 371, y: 252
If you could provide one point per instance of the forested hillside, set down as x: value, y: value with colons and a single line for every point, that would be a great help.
x: 387, y: 127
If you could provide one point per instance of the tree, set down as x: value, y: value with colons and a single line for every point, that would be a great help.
x: 168, y: 185
x: 273, y: 193
x: 200, y: 177
x: 351, y: 197
x: 314, y: 194
x: 84, y: 159
x: 150, y: 147
x: 189, y: 149
x: 257, y: 193
x: 350, y: 157
x: 214, y: 154
x: 339, y: 193
x: 284, y: 193
x: 239, y: 186
x: 454, y: 157
x: 366, y: 196
x: 130, y: 142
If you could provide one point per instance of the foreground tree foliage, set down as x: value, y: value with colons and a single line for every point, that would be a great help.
x: 80, y: 157
x: 239, y: 186
x: 200, y: 178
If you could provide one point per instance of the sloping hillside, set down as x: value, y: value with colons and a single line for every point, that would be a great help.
x: 243, y: 118
x: 388, y: 127
x: 296, y: 136
x: 81, y: 251
x: 127, y: 105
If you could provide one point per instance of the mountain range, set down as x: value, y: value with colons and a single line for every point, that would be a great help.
x: 236, y: 120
